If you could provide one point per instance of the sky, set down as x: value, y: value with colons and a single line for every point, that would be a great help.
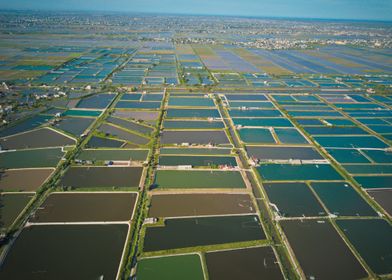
x: 333, y: 9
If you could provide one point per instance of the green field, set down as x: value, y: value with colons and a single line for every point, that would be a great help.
x: 170, y: 268
x: 177, y: 179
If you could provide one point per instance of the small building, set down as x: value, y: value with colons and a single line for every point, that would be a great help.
x: 150, y: 221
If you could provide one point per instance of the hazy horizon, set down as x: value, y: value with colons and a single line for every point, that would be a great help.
x: 380, y: 10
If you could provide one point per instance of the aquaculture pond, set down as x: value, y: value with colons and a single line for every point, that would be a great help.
x: 251, y: 104
x: 348, y: 156
x: 290, y: 136
x: 98, y: 101
x: 312, y: 113
x: 143, y: 129
x: 195, y: 204
x: 132, y: 96
x: 254, y: 97
x: 191, y: 101
x: 85, y: 207
x: 82, y: 113
x: 192, y: 113
x: 171, y: 124
x: 74, y: 125
x: 323, y: 130
x: 341, y: 199
x: 246, y: 263
x: 260, y: 122
x: 23, y: 179
x: 39, y: 138
x: 102, y: 177
x: 368, y: 169
x: 379, y: 156
x: 195, y: 151
x: 309, y: 122
x: 254, y: 113
x: 290, y: 172
x: 350, y: 142
x: 212, y: 161
x: 172, y: 267
x: 202, y: 231
x: 111, y: 130
x: 194, y: 137
x: 383, y: 197
x: 113, y: 154
x: 187, y: 179
x: 293, y: 200
x: 137, y: 115
x: 259, y: 135
x: 283, y: 153
x: 138, y: 105
x: 25, y: 125
x: 11, y: 205
x: 91, y: 250
x: 320, y: 250
x: 372, y: 239
x: 374, y: 182
x: 31, y: 158
x: 99, y: 142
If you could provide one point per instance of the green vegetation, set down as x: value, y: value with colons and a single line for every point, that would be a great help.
x: 172, y: 267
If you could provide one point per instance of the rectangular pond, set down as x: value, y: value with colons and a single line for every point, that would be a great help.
x: 212, y: 161
x: 171, y: 124
x: 25, y: 125
x: 195, y: 151
x: 85, y: 207
x: 383, y: 198
x: 244, y: 263
x: 102, y: 177
x: 348, y: 156
x: 191, y: 232
x: 341, y: 199
x: 302, y: 172
x: 350, y: 141
x: 372, y: 239
x: 23, y: 179
x: 31, y: 158
x: 374, y: 182
x: 130, y: 125
x: 188, y: 179
x: 283, y: 153
x: 194, y: 137
x: 97, y: 101
x: 100, y: 142
x: 320, y: 251
x: 192, y: 113
x: 113, y: 154
x: 293, y: 200
x: 262, y: 122
x: 74, y: 125
x: 111, y: 130
x: 40, y: 138
x: 191, y: 102
x: 196, y: 204
x: 48, y: 251
x: 256, y: 135
x: 170, y: 267
x: 11, y: 205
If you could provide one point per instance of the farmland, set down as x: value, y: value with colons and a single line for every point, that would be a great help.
x: 142, y: 148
